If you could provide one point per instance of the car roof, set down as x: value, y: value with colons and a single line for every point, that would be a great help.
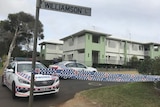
x: 21, y: 62
x: 61, y: 63
x: 66, y: 62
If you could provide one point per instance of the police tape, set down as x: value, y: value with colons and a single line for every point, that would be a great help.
x: 100, y: 76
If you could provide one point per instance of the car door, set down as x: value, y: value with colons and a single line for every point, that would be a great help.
x: 10, y: 72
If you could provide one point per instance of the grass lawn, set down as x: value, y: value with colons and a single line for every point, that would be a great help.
x: 127, y: 95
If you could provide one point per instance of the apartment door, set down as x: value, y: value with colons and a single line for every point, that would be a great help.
x: 95, y: 57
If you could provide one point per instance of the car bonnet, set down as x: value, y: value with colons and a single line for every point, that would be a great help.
x: 38, y: 77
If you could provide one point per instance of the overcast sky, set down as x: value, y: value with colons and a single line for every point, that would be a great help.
x: 137, y: 20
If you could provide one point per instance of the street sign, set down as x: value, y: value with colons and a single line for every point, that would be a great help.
x: 74, y: 9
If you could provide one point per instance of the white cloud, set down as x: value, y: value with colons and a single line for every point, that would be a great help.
x: 15, y: 6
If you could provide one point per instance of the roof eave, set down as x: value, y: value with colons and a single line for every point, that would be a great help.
x: 84, y: 32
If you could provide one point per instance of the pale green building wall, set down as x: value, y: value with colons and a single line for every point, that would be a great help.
x: 89, y: 47
x: 154, y: 53
x: 43, y: 51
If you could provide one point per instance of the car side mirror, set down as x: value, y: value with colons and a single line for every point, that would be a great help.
x: 10, y: 70
x: 9, y: 67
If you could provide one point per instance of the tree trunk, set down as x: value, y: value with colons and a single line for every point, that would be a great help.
x: 12, y: 46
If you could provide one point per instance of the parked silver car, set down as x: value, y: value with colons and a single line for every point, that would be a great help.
x: 72, y: 65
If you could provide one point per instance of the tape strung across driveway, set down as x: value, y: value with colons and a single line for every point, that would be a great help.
x: 100, y: 76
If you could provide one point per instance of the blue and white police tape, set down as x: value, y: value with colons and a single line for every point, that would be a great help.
x: 100, y: 76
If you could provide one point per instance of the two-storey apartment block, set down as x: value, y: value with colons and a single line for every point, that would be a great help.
x: 85, y: 46
x: 119, y: 51
x: 94, y: 47
x: 51, y: 50
x: 90, y: 47
x: 152, y: 50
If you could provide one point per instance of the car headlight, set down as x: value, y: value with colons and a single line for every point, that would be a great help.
x: 57, y: 80
x: 23, y: 81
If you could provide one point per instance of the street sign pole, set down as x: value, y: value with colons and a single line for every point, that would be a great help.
x: 38, y: 2
x: 56, y: 7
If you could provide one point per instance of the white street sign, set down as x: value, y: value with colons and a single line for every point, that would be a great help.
x: 74, y: 9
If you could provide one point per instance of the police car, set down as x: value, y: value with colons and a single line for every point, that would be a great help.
x: 17, y: 77
x: 72, y: 65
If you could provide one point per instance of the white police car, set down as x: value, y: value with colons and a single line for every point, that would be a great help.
x: 17, y: 77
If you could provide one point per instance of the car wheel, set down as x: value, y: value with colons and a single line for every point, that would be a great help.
x: 13, y: 91
x: 3, y: 81
x: 65, y: 77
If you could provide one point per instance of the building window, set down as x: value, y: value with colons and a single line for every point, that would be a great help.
x: 81, y: 39
x: 49, y: 46
x: 121, y: 45
x: 60, y: 47
x: 43, y: 56
x: 70, y: 57
x: 106, y: 42
x: 111, y: 59
x: 121, y: 61
x: 155, y: 48
x: 95, y: 39
x: 111, y: 44
x: 134, y: 47
x: 146, y: 49
x: 81, y: 51
x: 140, y: 47
x: 71, y: 41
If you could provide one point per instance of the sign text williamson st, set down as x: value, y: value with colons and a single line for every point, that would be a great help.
x: 66, y: 8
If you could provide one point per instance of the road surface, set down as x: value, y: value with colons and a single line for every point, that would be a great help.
x: 68, y: 88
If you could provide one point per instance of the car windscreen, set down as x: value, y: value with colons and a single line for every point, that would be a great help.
x: 80, y: 65
x: 28, y: 67
x: 71, y: 65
